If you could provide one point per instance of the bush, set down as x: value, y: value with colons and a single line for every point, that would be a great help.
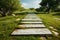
x: 58, y: 13
x: 22, y: 13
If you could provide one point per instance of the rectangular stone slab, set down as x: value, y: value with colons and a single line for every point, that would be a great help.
x: 32, y: 25
x: 31, y: 22
x: 32, y: 19
x: 42, y: 31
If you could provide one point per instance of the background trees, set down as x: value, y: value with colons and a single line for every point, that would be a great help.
x: 7, y: 7
x: 49, y: 5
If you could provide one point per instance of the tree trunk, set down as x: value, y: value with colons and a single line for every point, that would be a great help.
x: 10, y: 13
x: 49, y: 10
x: 3, y: 14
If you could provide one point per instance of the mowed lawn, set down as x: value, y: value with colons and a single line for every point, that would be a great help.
x: 9, y: 23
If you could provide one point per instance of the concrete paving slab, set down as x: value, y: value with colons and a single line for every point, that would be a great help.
x: 56, y: 33
x: 31, y: 22
x: 32, y: 25
x: 32, y: 19
x: 43, y: 38
x: 13, y: 15
x: 57, y: 19
x: 17, y: 19
x: 52, y: 28
x: 42, y: 31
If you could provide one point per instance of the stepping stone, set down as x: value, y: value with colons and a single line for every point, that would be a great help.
x: 32, y: 25
x: 17, y: 19
x: 42, y: 31
x: 13, y: 15
x: 32, y: 19
x: 57, y: 19
x: 55, y: 33
x: 31, y: 22
x: 53, y: 28
x: 43, y: 38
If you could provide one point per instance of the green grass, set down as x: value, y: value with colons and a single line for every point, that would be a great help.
x: 9, y: 23
x: 49, y: 20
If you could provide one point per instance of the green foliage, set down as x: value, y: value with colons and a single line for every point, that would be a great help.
x: 9, y: 6
x: 49, y: 5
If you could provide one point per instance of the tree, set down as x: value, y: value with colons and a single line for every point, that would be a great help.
x: 41, y: 9
x: 8, y: 6
x: 31, y: 8
x: 48, y: 5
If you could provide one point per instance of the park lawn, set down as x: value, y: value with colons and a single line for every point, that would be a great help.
x: 49, y: 20
x: 9, y: 23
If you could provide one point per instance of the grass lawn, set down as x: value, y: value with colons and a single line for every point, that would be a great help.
x: 49, y: 20
x: 8, y: 24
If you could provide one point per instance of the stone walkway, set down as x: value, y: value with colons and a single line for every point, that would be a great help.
x: 33, y: 25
